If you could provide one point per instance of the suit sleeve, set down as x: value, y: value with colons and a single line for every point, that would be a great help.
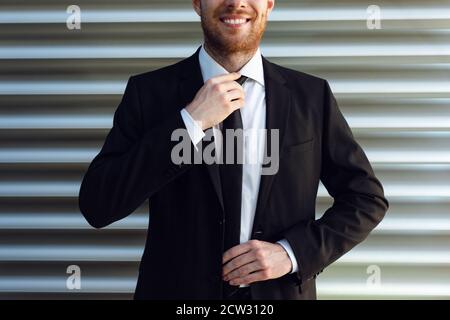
x: 132, y: 165
x: 359, y: 203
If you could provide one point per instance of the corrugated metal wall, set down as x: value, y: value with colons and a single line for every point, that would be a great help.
x: 59, y: 89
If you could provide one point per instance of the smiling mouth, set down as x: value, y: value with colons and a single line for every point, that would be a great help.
x: 234, y: 22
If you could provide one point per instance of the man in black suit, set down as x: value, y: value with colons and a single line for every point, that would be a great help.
x: 233, y: 230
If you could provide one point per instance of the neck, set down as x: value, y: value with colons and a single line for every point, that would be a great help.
x: 232, y: 62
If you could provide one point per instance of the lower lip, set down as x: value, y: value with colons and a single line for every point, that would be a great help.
x: 235, y: 26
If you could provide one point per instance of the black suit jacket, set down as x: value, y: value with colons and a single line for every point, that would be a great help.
x: 183, y: 253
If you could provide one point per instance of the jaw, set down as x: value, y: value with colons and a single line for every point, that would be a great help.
x: 232, y: 33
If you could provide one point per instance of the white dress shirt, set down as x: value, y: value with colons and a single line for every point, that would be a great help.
x: 254, y: 121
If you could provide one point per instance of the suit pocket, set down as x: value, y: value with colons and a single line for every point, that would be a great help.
x: 299, y: 147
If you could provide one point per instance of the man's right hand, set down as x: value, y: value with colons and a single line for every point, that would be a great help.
x: 213, y: 102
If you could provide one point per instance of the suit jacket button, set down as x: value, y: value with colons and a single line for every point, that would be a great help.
x: 258, y: 233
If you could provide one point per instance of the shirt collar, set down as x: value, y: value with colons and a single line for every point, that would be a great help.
x: 210, y: 68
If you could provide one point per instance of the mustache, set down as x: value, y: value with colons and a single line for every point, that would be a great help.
x: 233, y: 11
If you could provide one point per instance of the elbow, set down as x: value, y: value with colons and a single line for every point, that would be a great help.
x: 92, y: 216
x: 384, y: 209
x: 380, y: 208
x: 95, y: 222
x: 91, y: 211
x: 383, y: 205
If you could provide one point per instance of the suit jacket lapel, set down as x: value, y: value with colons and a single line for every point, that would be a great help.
x: 278, y: 104
x: 191, y: 82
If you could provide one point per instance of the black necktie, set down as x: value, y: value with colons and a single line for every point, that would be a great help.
x: 231, y: 179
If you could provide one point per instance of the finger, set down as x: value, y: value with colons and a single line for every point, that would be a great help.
x: 252, y: 277
x: 236, y: 250
x: 234, y: 94
x: 244, y: 271
x: 225, y: 77
x: 238, y: 262
x: 237, y: 104
x: 230, y: 86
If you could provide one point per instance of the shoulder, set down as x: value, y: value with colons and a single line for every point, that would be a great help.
x: 157, y: 83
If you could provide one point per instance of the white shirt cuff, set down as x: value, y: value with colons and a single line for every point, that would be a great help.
x: 285, y: 244
x: 194, y: 130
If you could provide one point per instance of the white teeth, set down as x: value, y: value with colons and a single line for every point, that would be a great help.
x: 234, y: 21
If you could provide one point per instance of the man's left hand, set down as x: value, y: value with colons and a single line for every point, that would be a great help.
x: 255, y: 261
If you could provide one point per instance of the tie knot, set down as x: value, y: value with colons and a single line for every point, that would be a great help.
x: 241, y: 80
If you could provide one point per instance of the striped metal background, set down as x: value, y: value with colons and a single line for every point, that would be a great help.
x: 59, y: 89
